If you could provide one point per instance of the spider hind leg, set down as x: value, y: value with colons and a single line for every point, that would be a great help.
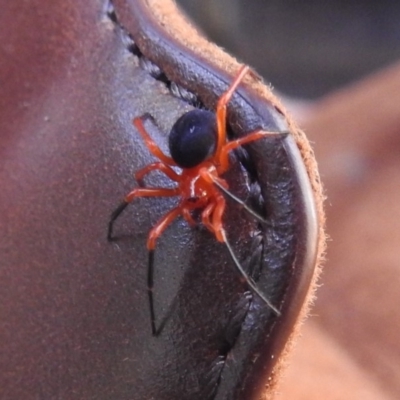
x: 248, y: 279
x: 240, y: 202
x: 221, y: 185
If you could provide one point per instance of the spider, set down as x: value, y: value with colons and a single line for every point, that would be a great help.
x: 198, y: 146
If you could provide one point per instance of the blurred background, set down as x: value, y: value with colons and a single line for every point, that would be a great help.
x: 336, y: 66
x: 305, y: 48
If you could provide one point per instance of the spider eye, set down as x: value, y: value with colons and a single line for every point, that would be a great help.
x: 193, y: 138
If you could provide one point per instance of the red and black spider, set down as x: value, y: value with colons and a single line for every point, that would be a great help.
x: 199, y: 147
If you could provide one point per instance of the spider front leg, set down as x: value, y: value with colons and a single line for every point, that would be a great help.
x: 221, y: 108
x: 157, y: 166
x: 223, y: 156
x: 138, y: 192
x: 154, y: 149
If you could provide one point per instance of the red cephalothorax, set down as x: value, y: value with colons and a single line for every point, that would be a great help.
x: 199, y: 147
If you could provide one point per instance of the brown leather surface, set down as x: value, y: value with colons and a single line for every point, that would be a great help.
x: 350, y: 345
x: 201, y: 67
x: 75, y: 320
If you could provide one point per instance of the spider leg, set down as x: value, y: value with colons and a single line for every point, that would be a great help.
x: 206, y: 217
x: 248, y: 279
x: 154, y: 149
x: 222, y: 185
x: 157, y: 230
x: 166, y: 169
x: 138, y: 192
x: 239, y: 201
x: 221, y: 236
x: 227, y: 147
x: 221, y: 108
x: 217, y: 214
x: 188, y: 217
